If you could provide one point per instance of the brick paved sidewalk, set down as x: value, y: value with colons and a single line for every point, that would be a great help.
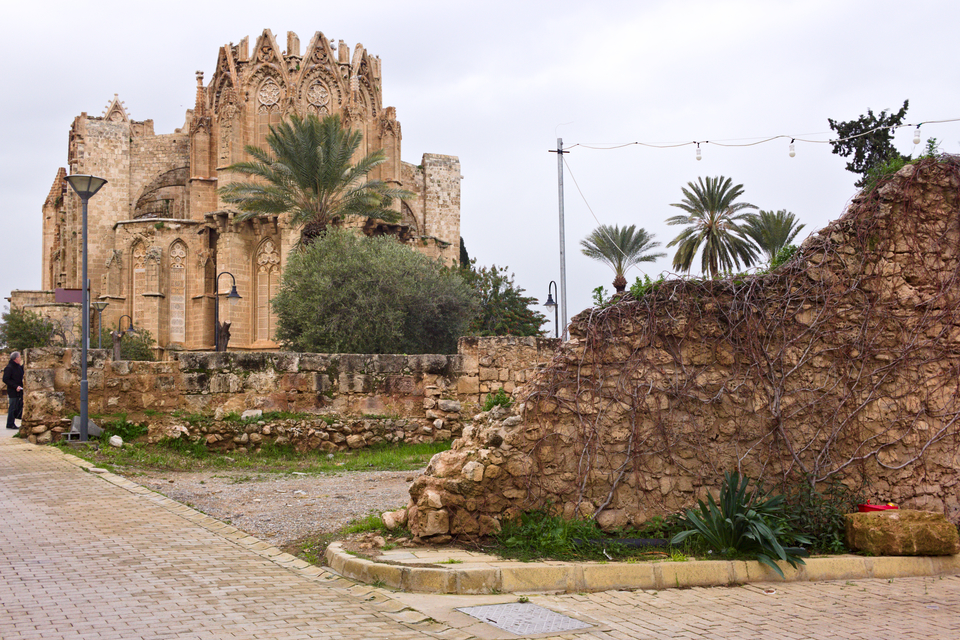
x: 81, y: 557
x: 84, y: 556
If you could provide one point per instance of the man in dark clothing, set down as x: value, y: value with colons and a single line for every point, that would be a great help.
x: 13, y: 378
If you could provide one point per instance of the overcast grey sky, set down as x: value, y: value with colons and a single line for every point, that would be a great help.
x: 496, y: 83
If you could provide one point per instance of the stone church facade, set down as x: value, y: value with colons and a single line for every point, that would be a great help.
x: 159, y: 236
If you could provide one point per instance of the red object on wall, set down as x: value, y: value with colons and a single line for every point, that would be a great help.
x: 863, y: 508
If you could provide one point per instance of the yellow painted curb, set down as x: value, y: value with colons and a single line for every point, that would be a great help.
x: 569, y: 577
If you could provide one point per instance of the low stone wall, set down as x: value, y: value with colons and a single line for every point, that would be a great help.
x: 426, y: 392
x: 327, y: 433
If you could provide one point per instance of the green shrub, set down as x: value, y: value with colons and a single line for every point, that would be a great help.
x: 747, y: 523
x: 783, y: 255
x: 497, y: 399
x: 127, y: 430
x: 346, y: 293
x: 23, y: 329
x: 818, y: 512
x: 537, y: 534
x: 640, y: 288
x: 134, y: 345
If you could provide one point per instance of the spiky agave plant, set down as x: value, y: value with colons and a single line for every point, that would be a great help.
x: 745, y: 522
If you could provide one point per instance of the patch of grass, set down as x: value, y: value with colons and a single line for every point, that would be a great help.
x: 451, y: 561
x: 388, y: 457
x: 127, y: 430
x: 538, y: 535
x: 184, y: 454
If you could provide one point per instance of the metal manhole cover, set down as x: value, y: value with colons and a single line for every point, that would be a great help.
x: 524, y: 618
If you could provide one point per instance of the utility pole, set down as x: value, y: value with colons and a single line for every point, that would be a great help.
x: 563, y: 245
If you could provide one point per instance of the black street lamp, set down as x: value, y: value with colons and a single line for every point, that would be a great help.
x: 120, y: 321
x: 86, y: 187
x: 100, y: 305
x: 233, y: 297
x: 550, y: 304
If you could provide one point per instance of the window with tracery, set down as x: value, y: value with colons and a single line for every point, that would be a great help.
x: 268, y: 109
x: 268, y: 284
x: 178, y: 292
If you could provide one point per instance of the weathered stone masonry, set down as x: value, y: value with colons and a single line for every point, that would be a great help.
x: 842, y: 365
x: 378, y: 397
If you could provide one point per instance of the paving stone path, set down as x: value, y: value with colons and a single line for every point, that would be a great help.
x: 89, y: 556
x: 81, y: 557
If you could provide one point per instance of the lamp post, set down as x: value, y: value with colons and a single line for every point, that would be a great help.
x: 86, y: 187
x: 100, y: 305
x: 550, y: 304
x: 233, y: 297
x: 119, y: 330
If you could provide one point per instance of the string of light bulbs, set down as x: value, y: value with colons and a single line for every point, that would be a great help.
x: 735, y: 142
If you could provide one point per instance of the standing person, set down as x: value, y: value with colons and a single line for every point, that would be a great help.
x: 13, y: 378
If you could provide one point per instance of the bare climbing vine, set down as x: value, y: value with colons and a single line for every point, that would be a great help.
x: 844, y: 362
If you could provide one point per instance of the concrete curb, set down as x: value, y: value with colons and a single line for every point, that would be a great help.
x: 565, y: 577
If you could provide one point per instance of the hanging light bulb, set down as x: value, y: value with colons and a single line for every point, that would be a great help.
x: 793, y: 149
x: 916, y: 135
x: 699, y: 156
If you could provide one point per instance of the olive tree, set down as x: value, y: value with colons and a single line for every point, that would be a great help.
x: 346, y: 293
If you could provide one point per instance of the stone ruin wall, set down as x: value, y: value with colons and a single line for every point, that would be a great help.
x: 841, y: 366
x: 366, y: 399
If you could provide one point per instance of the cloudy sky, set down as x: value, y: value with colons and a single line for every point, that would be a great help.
x: 496, y: 83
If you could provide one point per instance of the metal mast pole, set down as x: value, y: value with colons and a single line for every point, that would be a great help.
x: 563, y: 244
x: 85, y: 336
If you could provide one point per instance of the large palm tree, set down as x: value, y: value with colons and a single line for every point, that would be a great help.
x: 621, y: 249
x: 771, y: 230
x: 308, y: 172
x: 714, y: 220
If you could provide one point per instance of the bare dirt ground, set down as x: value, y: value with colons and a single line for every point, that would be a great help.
x: 284, y: 508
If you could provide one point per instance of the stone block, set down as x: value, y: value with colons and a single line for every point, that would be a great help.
x: 620, y: 575
x: 468, y: 385
x: 355, y: 383
x: 425, y: 580
x: 833, y: 568
x: 478, y: 580
x: 450, y: 406
x: 889, y: 567
x: 902, y: 532
x: 695, y: 573
x: 284, y: 361
x: 537, y: 576
x: 314, y: 361
x: 488, y: 373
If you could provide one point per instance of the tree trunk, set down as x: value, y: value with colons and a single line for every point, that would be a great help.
x: 223, y: 336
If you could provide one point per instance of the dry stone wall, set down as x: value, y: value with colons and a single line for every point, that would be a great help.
x: 365, y: 399
x: 842, y: 365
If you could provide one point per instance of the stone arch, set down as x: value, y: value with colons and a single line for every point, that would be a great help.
x: 138, y: 279
x: 177, y: 269
x: 266, y: 270
x: 269, y: 96
x: 319, y: 96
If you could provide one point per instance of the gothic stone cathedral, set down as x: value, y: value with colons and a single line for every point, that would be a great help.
x: 158, y: 233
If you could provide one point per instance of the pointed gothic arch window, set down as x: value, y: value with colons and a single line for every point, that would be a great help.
x: 178, y: 292
x: 267, y: 268
x: 268, y: 109
x: 138, y: 287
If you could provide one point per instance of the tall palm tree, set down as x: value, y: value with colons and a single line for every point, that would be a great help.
x: 771, y: 230
x: 308, y: 172
x: 714, y: 220
x: 621, y: 249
